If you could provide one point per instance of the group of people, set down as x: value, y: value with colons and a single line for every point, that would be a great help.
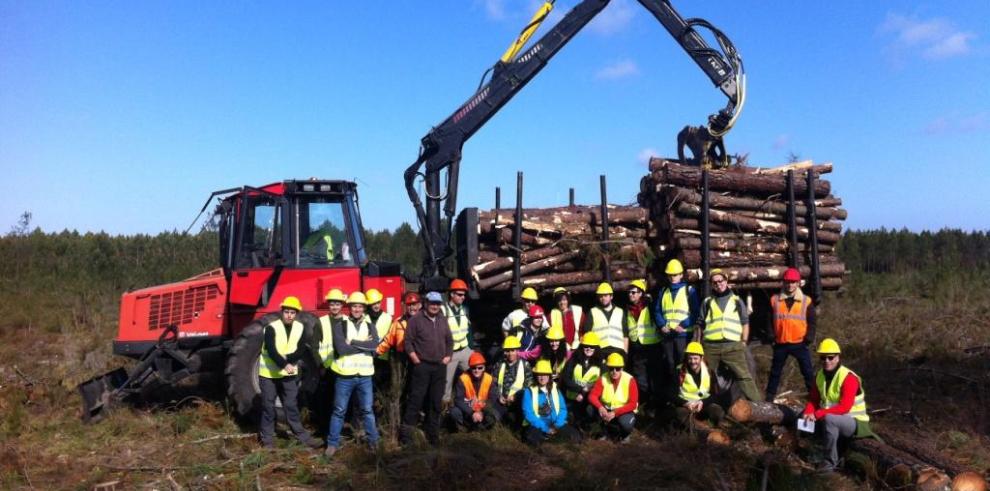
x: 561, y: 376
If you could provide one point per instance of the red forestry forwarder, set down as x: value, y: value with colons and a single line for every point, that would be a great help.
x: 302, y: 238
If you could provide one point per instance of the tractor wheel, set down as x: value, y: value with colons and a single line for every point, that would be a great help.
x: 242, y: 363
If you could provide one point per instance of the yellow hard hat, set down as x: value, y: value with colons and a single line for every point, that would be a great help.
x: 556, y: 333
x: 357, y: 297
x: 374, y: 296
x: 529, y: 294
x: 717, y: 271
x: 674, y: 266
x: 604, y: 289
x: 559, y: 290
x: 641, y: 284
x: 336, y: 295
x: 615, y: 360
x: 829, y: 347
x: 511, y: 342
x: 291, y: 303
x: 543, y: 367
x: 694, y: 348
x: 591, y: 339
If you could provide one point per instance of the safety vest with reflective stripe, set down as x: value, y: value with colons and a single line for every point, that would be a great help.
x: 314, y: 240
x: 720, y: 325
x: 790, y: 325
x: 692, y: 392
x: 557, y: 320
x: 477, y: 399
x: 608, y: 328
x: 517, y: 384
x: 830, y: 395
x: 382, y: 325
x: 643, y: 330
x: 359, y: 363
x: 676, y: 307
x: 458, y: 330
x: 284, y: 344
x: 616, y: 397
x: 325, y: 349
x: 584, y: 379
x: 517, y: 316
x: 553, y: 399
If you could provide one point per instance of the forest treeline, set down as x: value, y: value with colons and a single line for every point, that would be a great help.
x: 69, y: 273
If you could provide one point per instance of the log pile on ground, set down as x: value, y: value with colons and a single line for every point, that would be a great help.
x: 561, y: 247
x: 748, y: 232
x: 748, y: 221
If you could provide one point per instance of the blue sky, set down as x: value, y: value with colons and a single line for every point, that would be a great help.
x: 124, y: 116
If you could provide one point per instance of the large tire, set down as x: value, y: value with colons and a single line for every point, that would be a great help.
x: 242, y: 363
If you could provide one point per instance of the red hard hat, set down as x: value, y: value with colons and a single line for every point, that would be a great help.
x: 411, y: 298
x: 536, y: 311
x: 476, y: 359
x: 458, y: 284
x: 792, y: 275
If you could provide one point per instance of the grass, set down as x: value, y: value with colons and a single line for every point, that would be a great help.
x: 903, y: 334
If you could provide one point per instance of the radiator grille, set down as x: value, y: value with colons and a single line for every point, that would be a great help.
x: 179, y: 307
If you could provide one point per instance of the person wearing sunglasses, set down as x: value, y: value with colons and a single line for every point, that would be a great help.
x: 794, y: 330
x: 723, y: 329
x: 614, y: 400
x: 645, y: 352
x: 474, y: 398
x: 837, y: 403
x: 459, y: 321
x: 511, y: 323
x: 675, y: 313
x: 579, y: 377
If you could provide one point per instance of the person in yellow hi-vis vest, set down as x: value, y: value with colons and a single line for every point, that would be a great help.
x: 608, y: 322
x: 645, y: 354
x: 354, y: 342
x: 323, y: 339
x: 458, y: 318
x: 723, y: 328
x: 278, y: 374
x: 382, y: 320
x: 698, y: 394
x: 614, y: 400
x: 511, y: 322
x: 837, y: 403
x: 675, y: 312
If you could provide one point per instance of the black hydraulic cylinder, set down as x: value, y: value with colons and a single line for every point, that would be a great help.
x: 607, y: 274
x: 812, y: 221
x: 498, y: 201
x: 517, y: 239
x: 706, y: 283
x: 570, y: 198
x: 792, y: 236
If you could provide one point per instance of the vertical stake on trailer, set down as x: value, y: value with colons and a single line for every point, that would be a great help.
x: 604, y: 224
x: 812, y: 221
x: 706, y: 284
x: 498, y: 203
x: 517, y: 238
x: 792, y: 238
x: 570, y: 200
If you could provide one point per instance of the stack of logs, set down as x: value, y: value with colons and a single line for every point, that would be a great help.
x: 748, y: 224
x: 561, y: 247
x: 748, y: 231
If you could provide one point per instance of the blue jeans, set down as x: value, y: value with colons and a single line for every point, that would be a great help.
x: 362, y: 389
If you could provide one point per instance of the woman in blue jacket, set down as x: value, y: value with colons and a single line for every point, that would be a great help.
x: 545, y: 410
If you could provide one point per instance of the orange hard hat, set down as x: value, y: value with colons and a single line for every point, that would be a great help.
x: 476, y: 359
x: 411, y: 298
x: 457, y: 284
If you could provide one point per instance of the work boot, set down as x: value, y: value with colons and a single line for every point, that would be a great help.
x: 311, y: 442
x: 328, y: 453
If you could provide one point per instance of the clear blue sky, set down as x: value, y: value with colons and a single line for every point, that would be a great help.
x: 124, y: 116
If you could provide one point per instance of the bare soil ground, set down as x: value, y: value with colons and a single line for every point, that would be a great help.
x: 909, y: 348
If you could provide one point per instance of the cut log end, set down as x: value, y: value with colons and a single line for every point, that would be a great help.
x: 969, y: 481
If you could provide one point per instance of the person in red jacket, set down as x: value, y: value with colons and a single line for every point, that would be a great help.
x: 836, y: 404
x: 614, y: 400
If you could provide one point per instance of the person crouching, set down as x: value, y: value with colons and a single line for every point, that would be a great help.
x: 698, y: 387
x: 614, y: 400
x: 544, y: 410
x: 475, y: 400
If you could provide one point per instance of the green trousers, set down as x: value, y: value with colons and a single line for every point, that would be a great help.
x: 733, y: 355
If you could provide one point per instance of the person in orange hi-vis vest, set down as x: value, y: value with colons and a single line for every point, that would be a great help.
x: 475, y: 399
x: 794, y: 330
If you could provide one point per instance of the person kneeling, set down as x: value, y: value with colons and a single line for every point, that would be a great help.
x: 614, y: 400
x: 474, y: 402
x: 544, y: 409
x: 698, y: 389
